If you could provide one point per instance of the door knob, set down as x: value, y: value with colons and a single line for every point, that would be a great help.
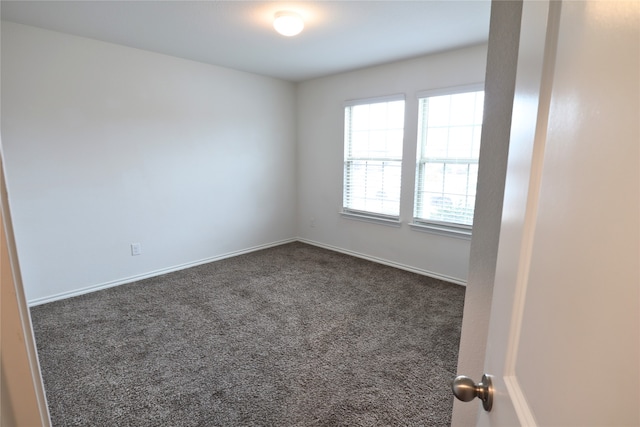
x: 466, y: 390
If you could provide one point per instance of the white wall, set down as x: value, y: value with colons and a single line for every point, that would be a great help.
x: 320, y: 160
x: 107, y: 145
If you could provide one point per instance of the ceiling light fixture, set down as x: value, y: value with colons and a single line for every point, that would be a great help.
x: 288, y: 23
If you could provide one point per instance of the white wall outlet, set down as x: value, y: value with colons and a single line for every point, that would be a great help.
x: 136, y: 249
x: 312, y: 222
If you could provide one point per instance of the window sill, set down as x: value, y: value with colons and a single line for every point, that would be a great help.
x: 371, y: 218
x: 443, y: 230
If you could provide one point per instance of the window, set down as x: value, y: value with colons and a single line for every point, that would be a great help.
x: 373, y: 142
x: 449, y: 127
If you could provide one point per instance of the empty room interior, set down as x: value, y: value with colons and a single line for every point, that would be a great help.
x: 146, y: 140
x: 214, y: 219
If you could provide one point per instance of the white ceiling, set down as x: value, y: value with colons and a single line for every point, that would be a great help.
x: 338, y: 35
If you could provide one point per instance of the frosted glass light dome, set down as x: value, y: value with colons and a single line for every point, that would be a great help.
x: 288, y: 23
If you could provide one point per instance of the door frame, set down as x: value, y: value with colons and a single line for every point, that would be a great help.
x: 23, y: 402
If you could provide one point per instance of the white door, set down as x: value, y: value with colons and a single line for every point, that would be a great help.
x: 563, y: 344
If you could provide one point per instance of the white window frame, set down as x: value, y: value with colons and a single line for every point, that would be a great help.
x: 422, y: 224
x: 365, y: 215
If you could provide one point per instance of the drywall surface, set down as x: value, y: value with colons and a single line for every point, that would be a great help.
x: 321, y: 151
x: 106, y: 146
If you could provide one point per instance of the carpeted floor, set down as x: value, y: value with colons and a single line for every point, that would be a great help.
x: 293, y: 335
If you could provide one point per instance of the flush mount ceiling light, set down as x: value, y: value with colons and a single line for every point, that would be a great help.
x: 288, y: 23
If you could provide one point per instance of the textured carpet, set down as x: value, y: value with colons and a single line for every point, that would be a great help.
x: 293, y: 335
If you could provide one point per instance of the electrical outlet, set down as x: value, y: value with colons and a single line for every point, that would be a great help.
x: 312, y: 222
x: 136, y: 249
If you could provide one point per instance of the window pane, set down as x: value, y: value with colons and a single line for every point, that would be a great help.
x: 396, y: 115
x: 394, y: 143
x: 359, y: 117
x: 463, y: 106
x: 460, y: 142
x: 373, y: 157
x: 359, y: 143
x: 373, y: 186
x: 473, y: 180
x: 438, y: 142
x: 479, y: 110
x: 475, y: 151
x: 455, y: 179
x: 438, y: 110
x: 434, y: 177
x: 448, y: 150
x: 378, y: 116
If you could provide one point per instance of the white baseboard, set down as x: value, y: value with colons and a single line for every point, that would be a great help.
x: 130, y: 279
x: 386, y: 262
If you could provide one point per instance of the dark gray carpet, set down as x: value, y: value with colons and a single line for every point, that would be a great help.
x: 288, y: 336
